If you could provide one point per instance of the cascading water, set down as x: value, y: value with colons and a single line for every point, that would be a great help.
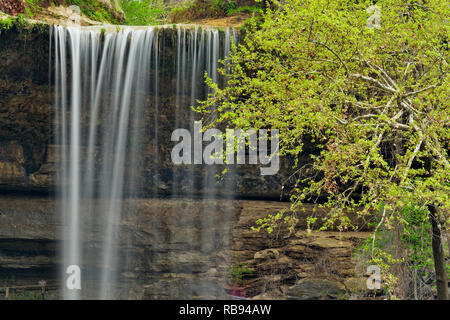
x: 105, y: 85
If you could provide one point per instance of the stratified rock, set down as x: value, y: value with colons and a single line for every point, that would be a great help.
x: 267, y: 254
x: 316, y: 289
x: 12, y: 161
x: 282, y: 257
x: 169, y: 239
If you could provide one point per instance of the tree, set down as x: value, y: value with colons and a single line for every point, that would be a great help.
x: 369, y: 86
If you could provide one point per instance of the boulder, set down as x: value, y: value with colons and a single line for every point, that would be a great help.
x: 316, y: 289
x: 267, y: 254
x: 356, y: 285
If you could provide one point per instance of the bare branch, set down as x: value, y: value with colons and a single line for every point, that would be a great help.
x: 406, y: 70
x: 334, y: 53
x: 376, y: 229
x: 419, y: 91
x: 438, y: 153
x: 413, y: 156
x: 370, y: 115
x: 384, y: 75
x: 400, y: 126
x: 370, y: 79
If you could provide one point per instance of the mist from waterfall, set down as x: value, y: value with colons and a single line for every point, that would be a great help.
x: 104, y: 85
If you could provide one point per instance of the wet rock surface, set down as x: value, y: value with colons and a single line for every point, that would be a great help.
x: 28, y: 124
x: 26, y: 111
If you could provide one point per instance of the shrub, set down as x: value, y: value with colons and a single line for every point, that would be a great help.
x: 144, y: 12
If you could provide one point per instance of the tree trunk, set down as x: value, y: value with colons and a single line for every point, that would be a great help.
x: 448, y: 242
x: 438, y: 255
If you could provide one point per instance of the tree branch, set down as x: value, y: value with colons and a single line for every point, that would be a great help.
x: 370, y: 79
x: 419, y: 91
x: 413, y: 156
x: 334, y: 53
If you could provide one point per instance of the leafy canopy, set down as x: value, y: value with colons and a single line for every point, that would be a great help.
x: 373, y: 97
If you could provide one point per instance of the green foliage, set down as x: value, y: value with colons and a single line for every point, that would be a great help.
x: 310, y: 221
x: 95, y: 11
x: 200, y: 9
x: 238, y: 271
x: 385, y: 261
x: 225, y: 7
x: 272, y: 221
x: 33, y: 6
x: 6, y: 23
x: 373, y: 101
x: 194, y: 10
x: 232, y: 9
x: 20, y: 19
x: 143, y: 12
x: 413, y: 244
x: 380, y: 251
x: 416, y: 236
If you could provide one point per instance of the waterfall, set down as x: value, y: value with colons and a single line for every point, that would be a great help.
x: 107, y: 87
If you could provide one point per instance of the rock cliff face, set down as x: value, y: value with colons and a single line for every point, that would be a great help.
x: 169, y: 244
x: 27, y: 123
x: 280, y: 260
x: 25, y: 105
